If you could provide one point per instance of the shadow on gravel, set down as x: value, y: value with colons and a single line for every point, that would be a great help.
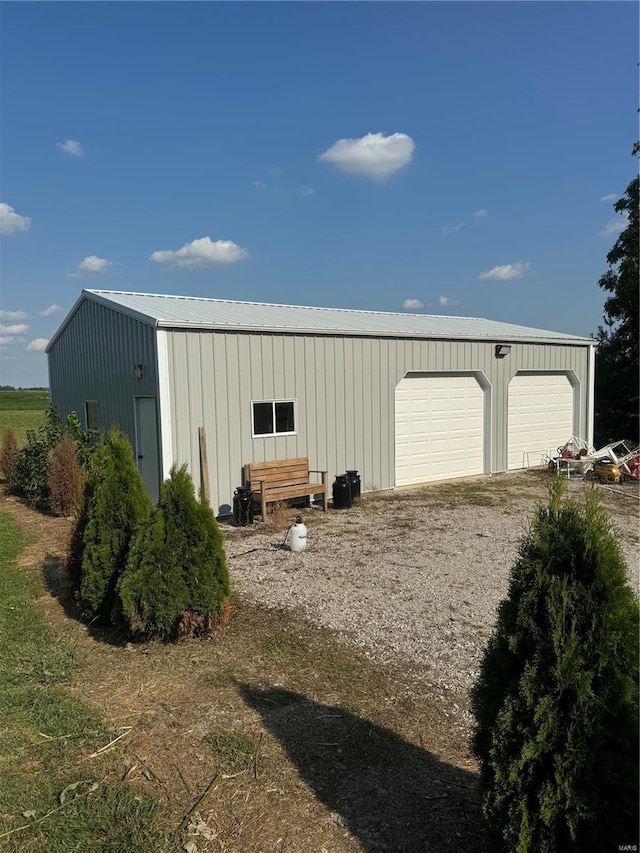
x: 392, y: 796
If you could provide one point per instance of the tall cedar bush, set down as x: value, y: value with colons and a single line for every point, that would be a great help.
x: 66, y: 478
x: 556, y: 703
x: 176, y: 581
x: 115, y: 504
x: 8, y: 454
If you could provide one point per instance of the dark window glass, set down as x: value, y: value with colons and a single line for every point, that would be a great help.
x: 91, y: 408
x: 284, y: 417
x: 263, y: 418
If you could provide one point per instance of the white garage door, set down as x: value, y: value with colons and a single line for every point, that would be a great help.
x: 439, y: 428
x: 540, y: 417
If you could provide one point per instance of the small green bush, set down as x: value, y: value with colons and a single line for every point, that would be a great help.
x: 176, y: 581
x: 8, y: 453
x: 115, y: 504
x: 556, y: 703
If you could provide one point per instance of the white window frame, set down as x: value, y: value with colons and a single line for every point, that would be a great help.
x: 273, y: 403
x: 86, y: 416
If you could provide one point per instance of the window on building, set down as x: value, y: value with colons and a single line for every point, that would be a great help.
x: 274, y: 417
x: 91, y: 415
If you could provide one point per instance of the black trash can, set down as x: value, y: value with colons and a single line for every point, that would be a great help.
x: 341, y: 492
x: 354, y: 481
x: 242, y: 507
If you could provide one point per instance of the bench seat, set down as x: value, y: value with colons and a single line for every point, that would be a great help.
x: 284, y: 479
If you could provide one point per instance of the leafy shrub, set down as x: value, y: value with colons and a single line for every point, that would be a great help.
x: 176, y: 581
x: 556, y: 701
x: 31, y: 469
x: 8, y: 454
x: 115, y: 503
x: 66, y: 478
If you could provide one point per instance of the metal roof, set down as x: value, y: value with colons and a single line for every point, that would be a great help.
x: 199, y: 313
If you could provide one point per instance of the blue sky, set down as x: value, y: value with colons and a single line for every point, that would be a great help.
x: 448, y: 158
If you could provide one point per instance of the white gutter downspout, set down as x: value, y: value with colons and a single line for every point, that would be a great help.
x: 591, y: 393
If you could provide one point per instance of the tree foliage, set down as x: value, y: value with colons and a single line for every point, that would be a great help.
x: 31, y: 466
x: 115, y: 504
x: 556, y: 703
x: 176, y: 579
x: 8, y: 453
x: 617, y: 363
x: 66, y: 478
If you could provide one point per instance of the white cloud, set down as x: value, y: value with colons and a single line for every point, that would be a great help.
x: 452, y: 229
x: 93, y: 265
x: 305, y: 190
x: 37, y: 344
x: 71, y: 147
x: 10, y: 221
x: 481, y: 212
x: 202, y: 252
x: 13, y: 315
x: 17, y: 329
x: 6, y: 339
x: 52, y: 309
x: 412, y: 304
x: 505, y: 272
x: 445, y: 300
x: 259, y: 185
x: 615, y: 226
x: 609, y: 197
x: 374, y: 155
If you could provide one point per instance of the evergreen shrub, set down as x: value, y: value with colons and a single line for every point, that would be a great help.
x: 176, y: 581
x: 556, y: 703
x: 115, y: 504
x: 8, y: 453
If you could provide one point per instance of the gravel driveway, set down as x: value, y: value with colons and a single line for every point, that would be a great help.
x: 414, y: 576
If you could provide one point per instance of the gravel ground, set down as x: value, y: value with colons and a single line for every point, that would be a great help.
x: 415, y: 576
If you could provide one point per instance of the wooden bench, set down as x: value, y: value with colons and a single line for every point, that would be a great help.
x: 279, y: 481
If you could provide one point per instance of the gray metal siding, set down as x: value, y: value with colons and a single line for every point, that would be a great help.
x: 344, y: 387
x: 93, y: 359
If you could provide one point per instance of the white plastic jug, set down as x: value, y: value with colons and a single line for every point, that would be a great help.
x: 296, y: 538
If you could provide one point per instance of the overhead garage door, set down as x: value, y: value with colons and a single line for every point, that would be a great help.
x: 540, y: 417
x: 439, y: 428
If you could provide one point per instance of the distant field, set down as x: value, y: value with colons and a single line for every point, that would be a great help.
x: 22, y: 410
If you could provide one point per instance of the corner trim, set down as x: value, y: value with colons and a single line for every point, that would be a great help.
x: 164, y: 398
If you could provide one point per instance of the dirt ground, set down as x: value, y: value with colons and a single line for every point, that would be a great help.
x: 320, y: 745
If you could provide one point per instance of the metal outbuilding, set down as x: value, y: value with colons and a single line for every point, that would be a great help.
x: 403, y: 398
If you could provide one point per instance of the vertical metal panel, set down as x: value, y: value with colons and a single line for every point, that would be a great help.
x: 94, y: 358
x: 344, y: 388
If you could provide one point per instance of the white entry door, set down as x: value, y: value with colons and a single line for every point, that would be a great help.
x: 540, y: 417
x: 439, y: 428
x: 147, y: 451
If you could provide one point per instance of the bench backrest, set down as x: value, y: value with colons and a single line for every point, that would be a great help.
x: 283, y: 472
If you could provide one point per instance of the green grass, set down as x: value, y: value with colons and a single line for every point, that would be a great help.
x: 22, y: 410
x: 233, y: 750
x: 10, y: 400
x: 46, y: 737
x: 281, y: 647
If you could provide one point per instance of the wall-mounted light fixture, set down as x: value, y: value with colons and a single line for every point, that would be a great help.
x: 137, y: 371
x: 502, y: 350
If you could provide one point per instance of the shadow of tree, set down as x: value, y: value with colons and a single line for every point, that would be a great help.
x: 393, y: 796
x: 60, y: 586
